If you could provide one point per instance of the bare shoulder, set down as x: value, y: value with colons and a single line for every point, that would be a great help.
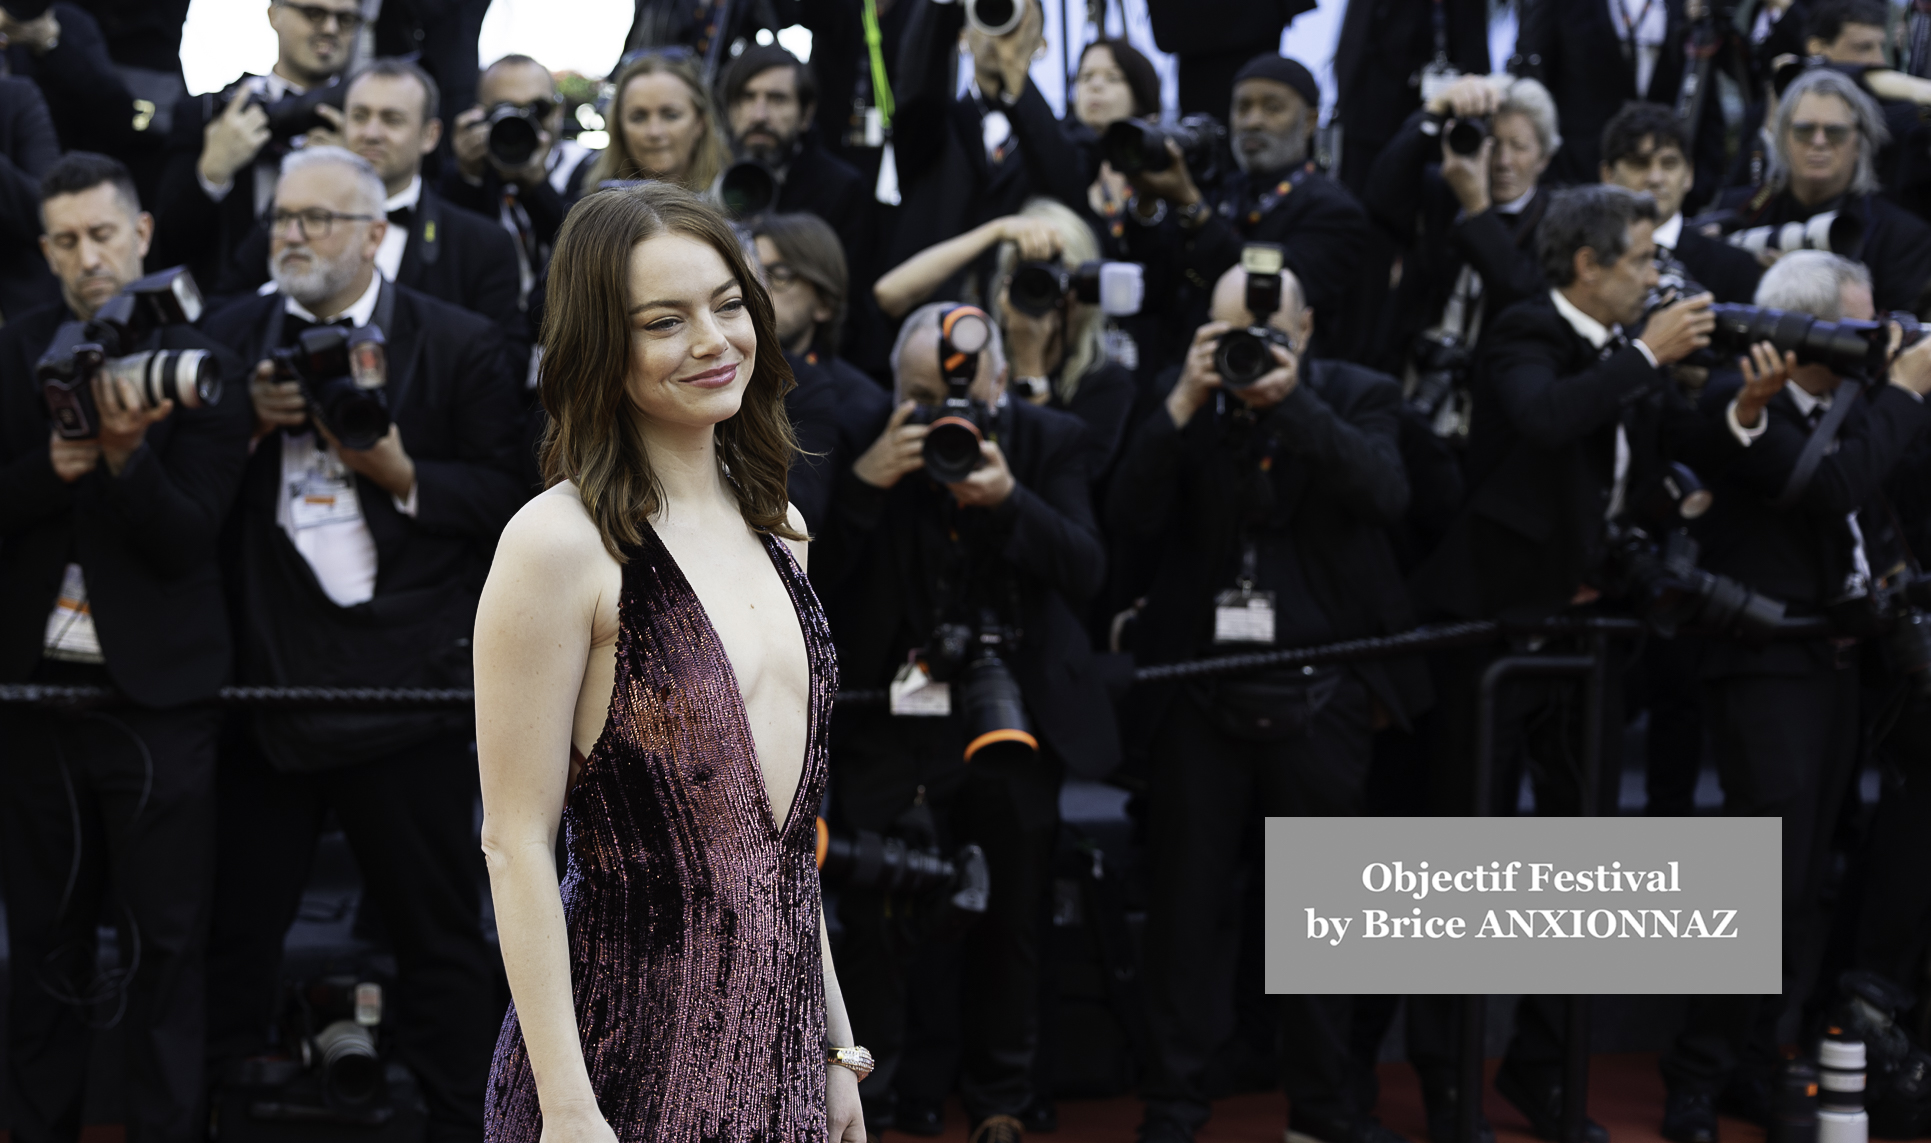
x: 800, y: 549
x: 554, y: 539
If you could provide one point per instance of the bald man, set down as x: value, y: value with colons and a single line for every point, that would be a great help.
x: 1270, y: 503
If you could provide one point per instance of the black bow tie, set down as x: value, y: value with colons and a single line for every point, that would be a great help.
x: 404, y: 217
x: 293, y: 326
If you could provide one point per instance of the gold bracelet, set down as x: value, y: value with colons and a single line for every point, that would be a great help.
x: 858, y: 1059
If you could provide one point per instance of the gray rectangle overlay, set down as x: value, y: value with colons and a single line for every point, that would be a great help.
x: 1593, y: 905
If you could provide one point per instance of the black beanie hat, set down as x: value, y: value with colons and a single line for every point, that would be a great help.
x: 1280, y: 69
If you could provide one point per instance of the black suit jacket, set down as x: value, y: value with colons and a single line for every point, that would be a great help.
x: 1409, y: 199
x: 836, y: 412
x: 1189, y: 26
x: 1729, y: 272
x: 441, y: 36
x: 819, y: 182
x: 145, y: 540
x: 1896, y: 244
x: 1800, y: 554
x: 947, y: 183
x: 1340, y: 472
x: 545, y: 205
x: 1383, y: 44
x: 453, y: 255
x: 879, y: 557
x: 93, y: 109
x: 458, y: 413
x: 28, y: 146
x: 1540, y: 463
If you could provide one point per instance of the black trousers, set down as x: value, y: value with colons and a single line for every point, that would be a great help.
x: 410, y: 821
x: 113, y: 806
x: 1206, y: 790
x: 1786, y: 747
x: 1009, y: 805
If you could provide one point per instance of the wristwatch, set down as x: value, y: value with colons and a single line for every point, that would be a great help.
x: 1193, y: 214
x: 858, y: 1059
x: 1032, y: 388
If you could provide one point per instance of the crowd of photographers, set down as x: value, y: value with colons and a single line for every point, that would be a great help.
x: 1074, y: 393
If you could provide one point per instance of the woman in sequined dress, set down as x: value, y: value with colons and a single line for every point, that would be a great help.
x: 654, y: 674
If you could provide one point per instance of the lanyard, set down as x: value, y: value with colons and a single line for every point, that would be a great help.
x: 881, y: 86
x: 1631, y: 27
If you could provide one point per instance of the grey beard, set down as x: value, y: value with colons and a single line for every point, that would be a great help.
x: 321, y: 281
x: 1282, y: 151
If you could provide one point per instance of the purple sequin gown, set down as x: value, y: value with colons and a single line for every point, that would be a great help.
x: 692, y: 916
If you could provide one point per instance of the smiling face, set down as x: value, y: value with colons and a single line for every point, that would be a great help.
x: 692, y: 342
x: 661, y: 125
x: 313, y: 49
x: 387, y: 126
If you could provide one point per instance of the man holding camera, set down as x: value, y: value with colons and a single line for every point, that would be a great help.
x: 769, y: 100
x: 1799, y: 516
x: 107, y: 549
x: 1006, y: 551
x: 451, y: 255
x: 529, y: 199
x: 1276, y: 196
x: 223, y: 149
x: 1267, y: 487
x: 1465, y: 220
x: 361, y: 553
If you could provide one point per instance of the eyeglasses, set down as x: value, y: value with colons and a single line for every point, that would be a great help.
x: 311, y: 224
x: 781, y: 276
x: 347, y: 20
x: 1836, y: 134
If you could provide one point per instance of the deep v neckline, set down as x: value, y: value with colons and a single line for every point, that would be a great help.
x: 779, y: 829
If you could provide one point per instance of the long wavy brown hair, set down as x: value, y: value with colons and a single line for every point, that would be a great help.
x: 709, y: 156
x: 595, y: 434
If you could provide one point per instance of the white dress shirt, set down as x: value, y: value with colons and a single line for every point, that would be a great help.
x: 1599, y: 335
x: 388, y: 256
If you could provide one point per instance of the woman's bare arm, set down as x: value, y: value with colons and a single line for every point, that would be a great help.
x: 535, y: 626
x: 913, y: 281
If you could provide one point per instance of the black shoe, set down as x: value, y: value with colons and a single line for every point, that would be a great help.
x: 1366, y: 1129
x: 1041, y: 1115
x: 1541, y: 1105
x: 1689, y: 1116
x: 1440, y: 1104
x: 915, y: 1118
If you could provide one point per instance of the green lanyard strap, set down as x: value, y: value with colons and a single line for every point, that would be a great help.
x: 874, y: 43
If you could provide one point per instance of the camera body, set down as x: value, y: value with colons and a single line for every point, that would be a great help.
x: 1652, y: 559
x: 1131, y: 146
x: 103, y: 346
x: 1442, y: 361
x: 1244, y: 356
x: 961, y: 422
x: 972, y: 658
x: 291, y: 115
x: 343, y: 373
x: 1896, y: 613
x: 1117, y: 288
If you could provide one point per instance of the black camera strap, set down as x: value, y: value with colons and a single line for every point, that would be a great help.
x: 1848, y: 391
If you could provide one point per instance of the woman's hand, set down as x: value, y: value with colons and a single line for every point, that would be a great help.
x: 1035, y: 237
x: 844, y: 1116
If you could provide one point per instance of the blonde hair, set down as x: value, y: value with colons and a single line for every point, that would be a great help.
x: 708, y: 158
x: 1085, y: 334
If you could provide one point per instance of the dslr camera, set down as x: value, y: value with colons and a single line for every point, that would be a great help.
x: 342, y: 373
x: 747, y: 188
x: 1846, y: 346
x: 961, y: 422
x: 1840, y: 232
x: 1652, y: 558
x: 103, y: 346
x: 291, y: 115
x: 515, y: 131
x: 971, y: 658
x: 1442, y: 361
x: 1131, y: 146
x: 1244, y: 356
x: 940, y: 897
x: 1117, y: 288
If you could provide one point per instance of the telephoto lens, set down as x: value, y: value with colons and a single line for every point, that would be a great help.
x: 1840, y: 1112
x: 1244, y: 356
x: 514, y: 134
x: 1793, y: 1104
x: 188, y: 377
x: 995, y: 715
x: 1130, y: 146
x: 345, y: 1054
x: 1843, y: 346
x: 1464, y: 136
x: 994, y: 17
x: 746, y: 189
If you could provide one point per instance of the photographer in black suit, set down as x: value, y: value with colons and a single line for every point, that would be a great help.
x: 1465, y: 225
x: 1013, y: 545
x: 360, y: 566
x: 107, y: 559
x: 1269, y: 503
x: 1784, y: 717
x: 1644, y: 149
x: 452, y: 255
x: 222, y: 154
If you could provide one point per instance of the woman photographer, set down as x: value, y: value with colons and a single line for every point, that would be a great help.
x: 665, y: 126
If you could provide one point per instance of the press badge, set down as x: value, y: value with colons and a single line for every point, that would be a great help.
x: 1243, y: 615
x: 322, y: 492
x: 914, y: 694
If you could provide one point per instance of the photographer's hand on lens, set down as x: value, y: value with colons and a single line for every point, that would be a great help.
x: 1764, y: 376
x: 1467, y: 175
x: 1274, y: 386
x: 331, y: 136
x: 278, y: 404
x: 1175, y: 184
x: 470, y: 142
x: 1035, y: 237
x: 73, y: 459
x: 232, y: 139
x: 1198, y: 377
x: 897, y: 451
x: 1468, y: 96
x: 124, y: 419
x: 989, y: 485
x: 387, y: 462
x: 1679, y: 329
x: 1912, y: 368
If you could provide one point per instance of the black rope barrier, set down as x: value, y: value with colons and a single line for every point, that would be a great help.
x: 1432, y: 637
